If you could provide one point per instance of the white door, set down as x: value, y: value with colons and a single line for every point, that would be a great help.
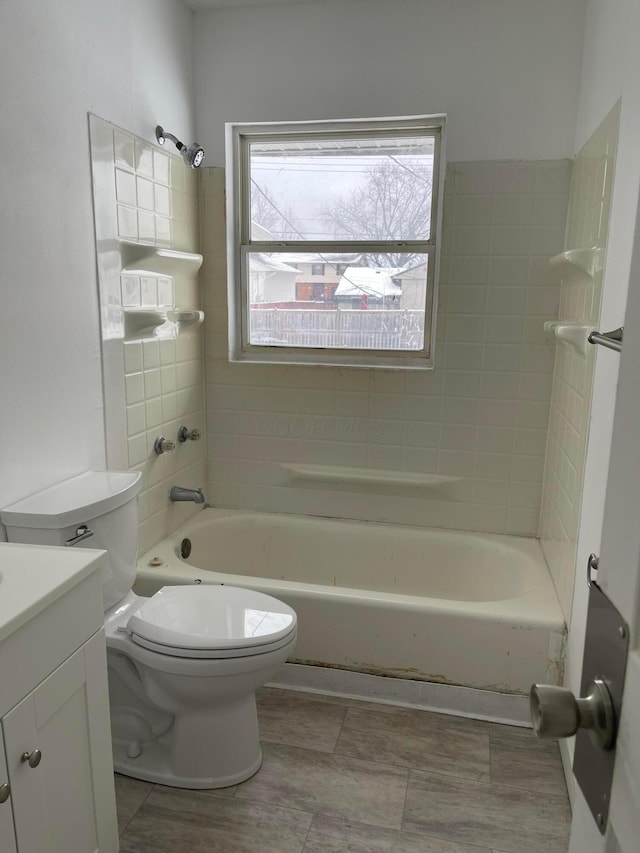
x: 619, y: 577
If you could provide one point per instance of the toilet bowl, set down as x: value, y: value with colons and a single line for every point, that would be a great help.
x: 184, y: 664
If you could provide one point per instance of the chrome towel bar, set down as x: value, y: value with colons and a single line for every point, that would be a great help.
x: 610, y: 340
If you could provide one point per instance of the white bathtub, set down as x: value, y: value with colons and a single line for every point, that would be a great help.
x: 471, y: 609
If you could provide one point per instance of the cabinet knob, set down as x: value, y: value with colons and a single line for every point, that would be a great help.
x: 32, y: 758
x: 5, y: 792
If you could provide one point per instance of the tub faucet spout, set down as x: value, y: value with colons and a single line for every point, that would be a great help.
x: 178, y: 493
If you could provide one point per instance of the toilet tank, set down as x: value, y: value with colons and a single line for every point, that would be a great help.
x: 97, y: 509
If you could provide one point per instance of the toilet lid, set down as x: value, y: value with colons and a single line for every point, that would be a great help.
x: 214, y: 617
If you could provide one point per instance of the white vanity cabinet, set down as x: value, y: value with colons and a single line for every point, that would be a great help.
x: 54, y: 707
x: 7, y: 832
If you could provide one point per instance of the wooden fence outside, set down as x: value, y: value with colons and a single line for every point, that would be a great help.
x: 338, y: 329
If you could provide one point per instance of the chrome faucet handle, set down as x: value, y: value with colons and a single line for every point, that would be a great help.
x: 186, y: 434
x: 163, y: 445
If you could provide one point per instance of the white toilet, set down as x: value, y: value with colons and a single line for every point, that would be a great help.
x: 184, y: 664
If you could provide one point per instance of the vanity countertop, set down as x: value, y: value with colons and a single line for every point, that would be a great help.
x: 32, y: 577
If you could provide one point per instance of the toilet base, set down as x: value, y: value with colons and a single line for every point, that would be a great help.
x: 154, y: 765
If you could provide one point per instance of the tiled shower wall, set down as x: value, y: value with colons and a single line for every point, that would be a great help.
x: 480, y: 415
x: 580, y: 298
x: 154, y: 383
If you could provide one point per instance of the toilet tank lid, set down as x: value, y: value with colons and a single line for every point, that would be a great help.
x: 79, y: 499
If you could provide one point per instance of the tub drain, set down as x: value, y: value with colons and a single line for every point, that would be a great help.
x: 185, y: 548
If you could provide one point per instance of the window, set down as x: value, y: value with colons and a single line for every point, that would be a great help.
x: 333, y: 240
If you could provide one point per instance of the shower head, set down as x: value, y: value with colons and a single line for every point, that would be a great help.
x: 192, y: 155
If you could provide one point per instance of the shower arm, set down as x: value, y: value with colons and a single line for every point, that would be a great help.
x: 193, y: 155
x: 162, y: 134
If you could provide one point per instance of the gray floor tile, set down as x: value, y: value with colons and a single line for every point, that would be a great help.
x: 497, y: 816
x: 416, y: 739
x: 329, y: 835
x: 356, y: 794
x: 294, y: 719
x: 130, y: 795
x: 177, y: 821
x: 331, y: 785
x: 526, y: 762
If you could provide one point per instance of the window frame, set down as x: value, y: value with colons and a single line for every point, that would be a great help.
x: 239, y: 137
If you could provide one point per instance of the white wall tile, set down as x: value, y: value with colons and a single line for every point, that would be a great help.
x: 510, y: 240
x: 125, y: 187
x: 509, y: 271
x: 152, y: 386
x: 480, y: 415
x: 146, y: 226
x: 144, y: 158
x: 514, y: 176
x: 127, y: 223
x: 513, y: 209
x: 136, y: 422
x: 132, y: 357
x: 144, y: 206
x: 124, y: 155
x: 145, y: 194
x: 148, y: 291
x: 130, y: 290
x: 162, y: 200
x: 151, y: 354
x: 464, y: 299
x: 506, y: 300
x: 134, y: 388
x: 161, y: 167
x: 587, y: 225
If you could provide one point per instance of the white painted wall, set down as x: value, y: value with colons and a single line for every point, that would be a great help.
x: 129, y: 63
x: 505, y: 71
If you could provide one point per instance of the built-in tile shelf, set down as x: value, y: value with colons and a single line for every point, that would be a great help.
x: 575, y: 335
x: 575, y: 263
x: 142, y: 323
x: 374, y: 481
x: 140, y: 258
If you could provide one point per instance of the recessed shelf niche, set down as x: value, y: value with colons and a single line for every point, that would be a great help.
x: 138, y: 258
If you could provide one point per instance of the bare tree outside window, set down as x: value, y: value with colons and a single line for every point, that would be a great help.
x: 270, y: 213
x: 393, y: 203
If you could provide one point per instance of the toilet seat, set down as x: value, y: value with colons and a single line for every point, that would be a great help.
x: 211, y: 622
x: 212, y: 654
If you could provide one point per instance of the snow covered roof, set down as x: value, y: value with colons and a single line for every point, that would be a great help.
x: 265, y: 263
x: 370, y: 281
x: 315, y: 258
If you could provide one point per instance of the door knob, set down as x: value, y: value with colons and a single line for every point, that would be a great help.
x: 555, y: 712
x: 5, y: 792
x: 32, y: 758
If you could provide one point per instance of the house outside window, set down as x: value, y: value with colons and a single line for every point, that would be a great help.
x: 333, y: 240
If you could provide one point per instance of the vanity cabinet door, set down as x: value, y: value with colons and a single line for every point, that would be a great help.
x: 7, y: 833
x: 59, y: 759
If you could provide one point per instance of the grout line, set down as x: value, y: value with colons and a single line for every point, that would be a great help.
x: 149, y: 792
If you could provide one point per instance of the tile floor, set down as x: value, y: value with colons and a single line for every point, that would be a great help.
x: 343, y: 775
